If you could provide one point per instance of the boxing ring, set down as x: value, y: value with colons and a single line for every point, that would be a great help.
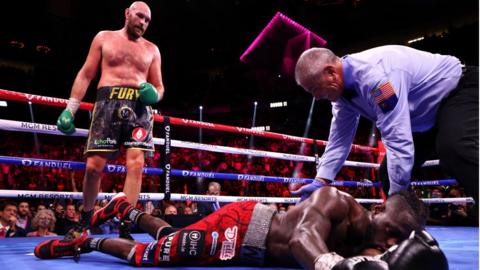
x: 460, y: 244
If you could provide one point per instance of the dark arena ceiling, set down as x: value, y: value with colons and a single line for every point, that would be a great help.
x: 45, y: 42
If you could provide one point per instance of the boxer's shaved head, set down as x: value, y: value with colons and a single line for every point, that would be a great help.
x: 137, y: 19
x: 139, y: 5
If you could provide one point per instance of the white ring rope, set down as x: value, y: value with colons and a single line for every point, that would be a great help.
x: 52, y: 129
x: 27, y: 194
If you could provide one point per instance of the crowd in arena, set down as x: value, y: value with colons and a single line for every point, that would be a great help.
x: 43, y: 217
x: 46, y: 217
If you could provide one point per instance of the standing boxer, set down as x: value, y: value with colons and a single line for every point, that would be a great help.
x: 130, y: 82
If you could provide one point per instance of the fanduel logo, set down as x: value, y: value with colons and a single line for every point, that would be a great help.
x: 116, y: 168
x: 251, y: 131
x: 48, y: 99
x: 292, y: 138
x: 46, y: 163
x: 186, y: 121
x: 251, y: 177
x: 197, y: 174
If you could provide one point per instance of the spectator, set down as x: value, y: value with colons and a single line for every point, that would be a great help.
x: 457, y: 215
x: 194, y: 207
x: 59, y: 210
x: 41, y: 207
x: 157, y: 212
x: 206, y: 208
x: 68, y: 221
x: 438, y: 211
x: 170, y: 210
x: 8, y: 221
x: 180, y: 207
x: 458, y: 212
x: 43, y: 224
x: 24, y: 217
x: 188, y: 211
x: 71, y: 213
x: 148, y: 207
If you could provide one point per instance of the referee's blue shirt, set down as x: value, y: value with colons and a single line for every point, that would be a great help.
x: 400, y: 89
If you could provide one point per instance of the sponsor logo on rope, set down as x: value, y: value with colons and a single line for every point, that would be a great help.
x: 247, y: 177
x: 297, y: 157
x: 293, y: 138
x: 197, y: 198
x: 45, y: 196
x: 31, y: 97
x: 197, y: 174
x: 167, y: 140
x: 243, y: 199
x: 292, y: 180
x: 36, y: 126
x: 425, y: 183
x: 143, y: 197
x: 115, y: 168
x: 250, y: 131
x: 47, y: 163
x: 290, y: 200
x: 199, y: 146
x: 227, y: 251
x: 205, y: 124
x: 362, y: 184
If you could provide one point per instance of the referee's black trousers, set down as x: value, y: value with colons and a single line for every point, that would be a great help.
x: 454, y: 138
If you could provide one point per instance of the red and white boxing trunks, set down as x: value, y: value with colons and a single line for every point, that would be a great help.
x: 234, y: 234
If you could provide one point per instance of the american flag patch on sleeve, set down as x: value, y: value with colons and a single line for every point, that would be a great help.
x: 385, y: 97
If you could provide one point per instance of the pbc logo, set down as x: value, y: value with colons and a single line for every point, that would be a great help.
x: 139, y: 134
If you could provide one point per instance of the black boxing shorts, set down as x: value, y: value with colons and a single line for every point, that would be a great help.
x: 234, y: 234
x: 120, y: 119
